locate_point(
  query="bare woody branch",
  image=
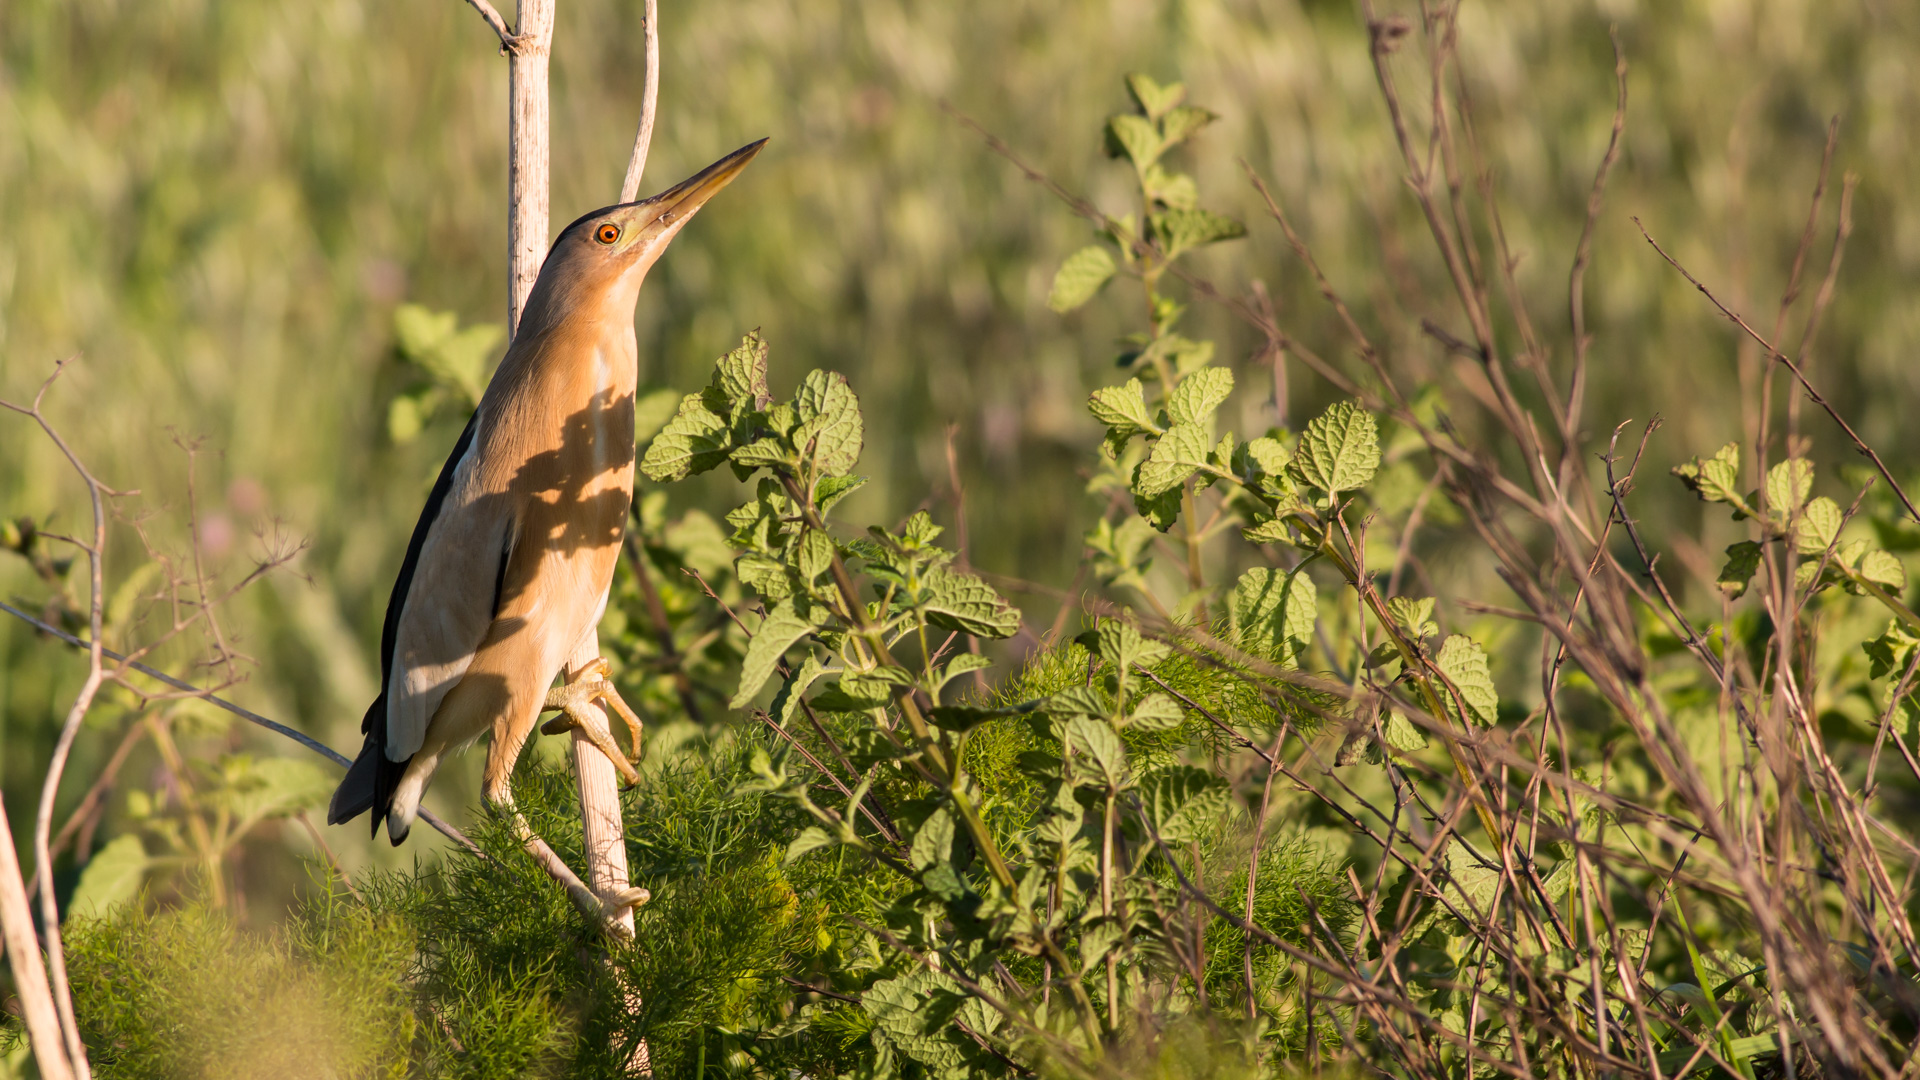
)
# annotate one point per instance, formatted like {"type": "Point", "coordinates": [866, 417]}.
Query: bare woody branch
{"type": "Point", "coordinates": [649, 100]}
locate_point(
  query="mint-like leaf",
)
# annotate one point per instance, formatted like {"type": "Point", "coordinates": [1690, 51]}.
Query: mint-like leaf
{"type": "Point", "coordinates": [830, 430]}
{"type": "Point", "coordinates": [1183, 230]}
{"type": "Point", "coordinates": [694, 441]}
{"type": "Point", "coordinates": [1743, 561]}
{"type": "Point", "coordinates": [1097, 744]}
{"type": "Point", "coordinates": [1885, 571]}
{"type": "Point", "coordinates": [1175, 456]}
{"type": "Point", "coordinates": [1339, 450]}
{"type": "Point", "coordinates": [1156, 712]}
{"type": "Point", "coordinates": [1275, 611]}
{"type": "Point", "coordinates": [1180, 124]}
{"type": "Point", "coordinates": [1083, 275]}
{"type": "Point", "coordinates": [742, 374]}
{"type": "Point", "coordinates": [778, 632]}
{"type": "Point", "coordinates": [963, 602]}
{"type": "Point", "coordinates": [1817, 526]}
{"type": "Point", "coordinates": [1134, 138]}
{"type": "Point", "coordinates": [1122, 408]}
{"type": "Point", "coordinates": [1413, 617]}
{"type": "Point", "coordinates": [1714, 479]}
{"type": "Point", "coordinates": [1154, 99]}
{"type": "Point", "coordinates": [1198, 395]}
{"type": "Point", "coordinates": [1464, 663]}
{"type": "Point", "coordinates": [1788, 485]}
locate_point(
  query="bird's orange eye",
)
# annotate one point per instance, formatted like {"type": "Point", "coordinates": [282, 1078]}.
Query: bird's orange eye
{"type": "Point", "coordinates": [607, 233]}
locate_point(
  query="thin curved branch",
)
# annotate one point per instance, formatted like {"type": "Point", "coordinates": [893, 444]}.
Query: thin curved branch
{"type": "Point", "coordinates": [248, 715]}
{"type": "Point", "coordinates": [498, 24]}
{"type": "Point", "coordinates": [649, 100]}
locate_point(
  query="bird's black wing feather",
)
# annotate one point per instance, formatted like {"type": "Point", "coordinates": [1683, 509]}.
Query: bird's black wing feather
{"type": "Point", "coordinates": [369, 783]}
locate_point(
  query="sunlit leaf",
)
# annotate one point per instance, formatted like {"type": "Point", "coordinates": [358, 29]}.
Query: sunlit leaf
{"type": "Point", "coordinates": [777, 633]}
{"type": "Point", "coordinates": [1198, 395]}
{"type": "Point", "coordinates": [1465, 664]}
{"type": "Point", "coordinates": [1339, 450]}
{"type": "Point", "coordinates": [1083, 274]}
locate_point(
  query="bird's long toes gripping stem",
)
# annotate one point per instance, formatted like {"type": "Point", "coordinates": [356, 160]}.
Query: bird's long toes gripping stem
{"type": "Point", "coordinates": [607, 909]}
{"type": "Point", "coordinates": [573, 700]}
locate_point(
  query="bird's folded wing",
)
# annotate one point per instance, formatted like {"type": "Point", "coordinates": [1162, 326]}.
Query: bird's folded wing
{"type": "Point", "coordinates": [450, 602]}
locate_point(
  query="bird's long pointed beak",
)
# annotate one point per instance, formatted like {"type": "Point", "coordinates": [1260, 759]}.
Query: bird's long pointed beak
{"type": "Point", "coordinates": [687, 196]}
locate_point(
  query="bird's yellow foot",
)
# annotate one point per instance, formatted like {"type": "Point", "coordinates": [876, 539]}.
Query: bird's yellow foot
{"type": "Point", "coordinates": [572, 700]}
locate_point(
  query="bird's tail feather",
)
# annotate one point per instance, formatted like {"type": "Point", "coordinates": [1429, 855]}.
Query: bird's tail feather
{"type": "Point", "coordinates": [355, 795]}
{"type": "Point", "coordinates": [371, 778]}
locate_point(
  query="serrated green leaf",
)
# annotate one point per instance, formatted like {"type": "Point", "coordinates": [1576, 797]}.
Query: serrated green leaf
{"type": "Point", "coordinates": [1198, 395]}
{"type": "Point", "coordinates": [1413, 617]}
{"type": "Point", "coordinates": [962, 664]}
{"type": "Point", "coordinates": [112, 876]}
{"type": "Point", "coordinates": [831, 429]}
{"type": "Point", "coordinates": [853, 694]}
{"type": "Point", "coordinates": [933, 841]}
{"type": "Point", "coordinates": [1473, 885]}
{"type": "Point", "coordinates": [1743, 561]}
{"type": "Point", "coordinates": [1154, 99]}
{"type": "Point", "coordinates": [764, 575]}
{"type": "Point", "coordinates": [1183, 230]}
{"type": "Point", "coordinates": [1175, 456]}
{"type": "Point", "coordinates": [1884, 570]}
{"type": "Point", "coordinates": [1180, 124]}
{"type": "Point", "coordinates": [1401, 733]}
{"type": "Point", "coordinates": [1891, 652]}
{"type": "Point", "coordinates": [694, 441]}
{"type": "Point", "coordinates": [778, 632]}
{"type": "Point", "coordinates": [1185, 802]}
{"type": "Point", "coordinates": [1714, 479]}
{"type": "Point", "coordinates": [1096, 744]}
{"type": "Point", "coordinates": [1122, 408]}
{"type": "Point", "coordinates": [815, 554]}
{"type": "Point", "coordinates": [1339, 450]}
{"type": "Point", "coordinates": [1270, 454]}
{"type": "Point", "coordinates": [742, 374]}
{"type": "Point", "coordinates": [811, 838]}
{"type": "Point", "coordinates": [1156, 712]}
{"type": "Point", "coordinates": [1271, 530]}
{"type": "Point", "coordinates": [1464, 663]}
{"type": "Point", "coordinates": [1276, 611]}
{"type": "Point", "coordinates": [1788, 485]}
{"type": "Point", "coordinates": [1817, 527]}
{"type": "Point", "coordinates": [831, 489]}
{"type": "Point", "coordinates": [787, 701]}
{"type": "Point", "coordinates": [1124, 646]}
{"type": "Point", "coordinates": [1160, 511]}
{"type": "Point", "coordinates": [1082, 276]}
{"type": "Point", "coordinates": [762, 452]}
{"type": "Point", "coordinates": [1134, 138]}
{"type": "Point", "coordinates": [919, 530]}
{"type": "Point", "coordinates": [1077, 701]}
{"type": "Point", "coordinates": [964, 602]}
{"type": "Point", "coordinates": [1171, 189]}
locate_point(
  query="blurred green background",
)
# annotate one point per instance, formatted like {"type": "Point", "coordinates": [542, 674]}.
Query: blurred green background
{"type": "Point", "coordinates": [219, 206]}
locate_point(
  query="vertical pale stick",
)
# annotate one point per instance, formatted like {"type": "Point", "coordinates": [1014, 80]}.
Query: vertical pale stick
{"type": "Point", "coordinates": [601, 828]}
{"type": "Point", "coordinates": [528, 123]}
{"type": "Point", "coordinates": [600, 824]}
{"type": "Point", "coordinates": [29, 977]}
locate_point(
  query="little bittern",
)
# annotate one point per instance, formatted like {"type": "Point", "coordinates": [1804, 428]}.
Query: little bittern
{"type": "Point", "coordinates": [509, 566]}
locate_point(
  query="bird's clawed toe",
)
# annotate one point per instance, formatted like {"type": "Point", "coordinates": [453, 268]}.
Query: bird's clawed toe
{"type": "Point", "coordinates": [591, 685]}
